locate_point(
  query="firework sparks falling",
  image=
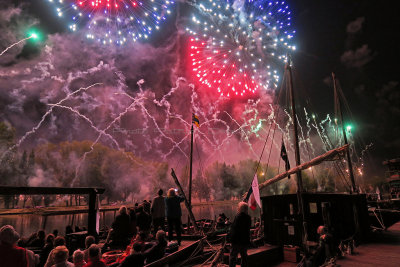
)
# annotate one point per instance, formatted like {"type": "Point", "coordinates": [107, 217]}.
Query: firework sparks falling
{"type": "Point", "coordinates": [34, 129]}
{"type": "Point", "coordinates": [236, 47]}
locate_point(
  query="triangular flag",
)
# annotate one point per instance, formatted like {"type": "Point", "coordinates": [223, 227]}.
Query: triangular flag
{"type": "Point", "coordinates": [285, 158]}
{"type": "Point", "coordinates": [253, 195]}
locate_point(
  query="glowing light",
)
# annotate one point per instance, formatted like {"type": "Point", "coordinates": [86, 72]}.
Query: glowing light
{"type": "Point", "coordinates": [31, 35]}
{"type": "Point", "coordinates": [239, 45]}
{"type": "Point", "coordinates": [114, 21]}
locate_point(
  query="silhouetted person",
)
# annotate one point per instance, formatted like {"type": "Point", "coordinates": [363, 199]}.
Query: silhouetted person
{"type": "Point", "coordinates": [60, 255]}
{"type": "Point", "coordinates": [48, 247]}
{"type": "Point", "coordinates": [135, 259]}
{"type": "Point", "coordinates": [58, 241]}
{"type": "Point", "coordinates": [39, 241]}
{"type": "Point", "coordinates": [95, 257]}
{"type": "Point", "coordinates": [146, 206]}
{"type": "Point", "coordinates": [68, 230]}
{"type": "Point", "coordinates": [133, 222]}
{"type": "Point", "coordinates": [89, 240]}
{"type": "Point", "coordinates": [158, 211]}
{"type": "Point", "coordinates": [240, 235]}
{"type": "Point", "coordinates": [325, 250]}
{"type": "Point", "coordinates": [78, 258]}
{"type": "Point", "coordinates": [157, 250]}
{"type": "Point", "coordinates": [120, 229]}
{"type": "Point", "coordinates": [10, 253]}
{"type": "Point", "coordinates": [174, 214]}
{"type": "Point", "coordinates": [143, 220]}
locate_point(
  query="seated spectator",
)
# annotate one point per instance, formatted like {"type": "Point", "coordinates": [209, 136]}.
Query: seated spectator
{"type": "Point", "coordinates": [68, 230]}
{"type": "Point", "coordinates": [77, 258]}
{"type": "Point", "coordinates": [38, 241]}
{"type": "Point", "coordinates": [221, 221]}
{"type": "Point", "coordinates": [157, 251]}
{"type": "Point", "coordinates": [138, 241]}
{"type": "Point", "coordinates": [118, 235]}
{"type": "Point", "coordinates": [143, 219]}
{"type": "Point", "coordinates": [60, 255]}
{"type": "Point", "coordinates": [135, 259]}
{"type": "Point", "coordinates": [58, 241]}
{"type": "Point", "coordinates": [10, 253]}
{"type": "Point", "coordinates": [132, 217]}
{"type": "Point", "coordinates": [325, 250]}
{"type": "Point", "coordinates": [89, 240]}
{"type": "Point", "coordinates": [48, 247]}
{"type": "Point", "coordinates": [95, 257]}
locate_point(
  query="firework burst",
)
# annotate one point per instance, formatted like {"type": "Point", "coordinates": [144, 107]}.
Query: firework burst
{"type": "Point", "coordinates": [114, 21]}
{"type": "Point", "coordinates": [236, 46]}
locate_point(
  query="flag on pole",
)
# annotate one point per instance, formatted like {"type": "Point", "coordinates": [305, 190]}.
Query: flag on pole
{"type": "Point", "coordinates": [285, 158]}
{"type": "Point", "coordinates": [253, 196]}
{"type": "Point", "coordinates": [195, 120]}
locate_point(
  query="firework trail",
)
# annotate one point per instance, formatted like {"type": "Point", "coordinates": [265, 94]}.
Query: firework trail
{"type": "Point", "coordinates": [101, 132]}
{"type": "Point", "coordinates": [20, 41]}
{"type": "Point", "coordinates": [132, 105]}
{"type": "Point", "coordinates": [34, 129]}
{"type": "Point", "coordinates": [315, 125]}
{"type": "Point", "coordinates": [324, 132]}
{"type": "Point", "coordinates": [309, 131]}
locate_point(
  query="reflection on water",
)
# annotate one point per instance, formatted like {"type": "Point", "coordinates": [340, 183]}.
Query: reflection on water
{"type": "Point", "coordinates": [29, 223]}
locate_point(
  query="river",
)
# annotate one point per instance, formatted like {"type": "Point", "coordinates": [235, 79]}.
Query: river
{"type": "Point", "coordinates": [30, 223]}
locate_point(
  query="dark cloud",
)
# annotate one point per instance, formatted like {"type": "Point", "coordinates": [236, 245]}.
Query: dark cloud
{"type": "Point", "coordinates": [355, 26]}
{"type": "Point", "coordinates": [357, 58]}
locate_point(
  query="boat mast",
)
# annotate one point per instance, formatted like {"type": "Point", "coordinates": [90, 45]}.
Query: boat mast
{"type": "Point", "coordinates": [190, 169]}
{"type": "Point", "coordinates": [300, 202]}
{"type": "Point", "coordinates": [350, 165]}
{"type": "Point", "coordinates": [295, 131]}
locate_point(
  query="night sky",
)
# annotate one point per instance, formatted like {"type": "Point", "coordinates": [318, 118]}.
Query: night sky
{"type": "Point", "coordinates": [354, 39]}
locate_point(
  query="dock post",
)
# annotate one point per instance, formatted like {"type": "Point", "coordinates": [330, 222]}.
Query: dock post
{"type": "Point", "coordinates": [92, 213]}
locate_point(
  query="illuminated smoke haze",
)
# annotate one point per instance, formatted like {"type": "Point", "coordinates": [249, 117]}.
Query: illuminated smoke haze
{"type": "Point", "coordinates": [143, 103]}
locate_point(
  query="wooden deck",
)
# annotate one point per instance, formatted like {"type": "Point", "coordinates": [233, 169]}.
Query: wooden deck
{"type": "Point", "coordinates": [383, 250]}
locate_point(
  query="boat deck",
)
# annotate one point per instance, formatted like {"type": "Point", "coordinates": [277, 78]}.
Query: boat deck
{"type": "Point", "coordinates": [382, 250]}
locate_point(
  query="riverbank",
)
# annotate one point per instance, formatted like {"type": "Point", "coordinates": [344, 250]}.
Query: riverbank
{"type": "Point", "coordinates": [84, 209]}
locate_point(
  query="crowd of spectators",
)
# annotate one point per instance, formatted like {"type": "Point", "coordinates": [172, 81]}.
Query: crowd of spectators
{"type": "Point", "coordinates": [138, 231]}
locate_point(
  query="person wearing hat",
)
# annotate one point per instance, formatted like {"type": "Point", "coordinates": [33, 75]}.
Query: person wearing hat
{"type": "Point", "coordinates": [10, 254]}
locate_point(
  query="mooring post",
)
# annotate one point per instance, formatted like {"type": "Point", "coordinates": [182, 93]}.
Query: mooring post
{"type": "Point", "coordinates": [92, 213]}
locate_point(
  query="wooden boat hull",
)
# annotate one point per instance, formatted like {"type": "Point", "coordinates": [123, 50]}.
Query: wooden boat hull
{"type": "Point", "coordinates": [184, 252]}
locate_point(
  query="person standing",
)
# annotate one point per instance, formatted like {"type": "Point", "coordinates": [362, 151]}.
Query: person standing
{"type": "Point", "coordinates": [240, 235]}
{"type": "Point", "coordinates": [158, 211]}
{"type": "Point", "coordinates": [174, 214]}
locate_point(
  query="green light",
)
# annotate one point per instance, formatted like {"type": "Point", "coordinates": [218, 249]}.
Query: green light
{"type": "Point", "coordinates": [348, 128]}
{"type": "Point", "coordinates": [34, 35]}
{"type": "Point", "coordinates": [313, 116]}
